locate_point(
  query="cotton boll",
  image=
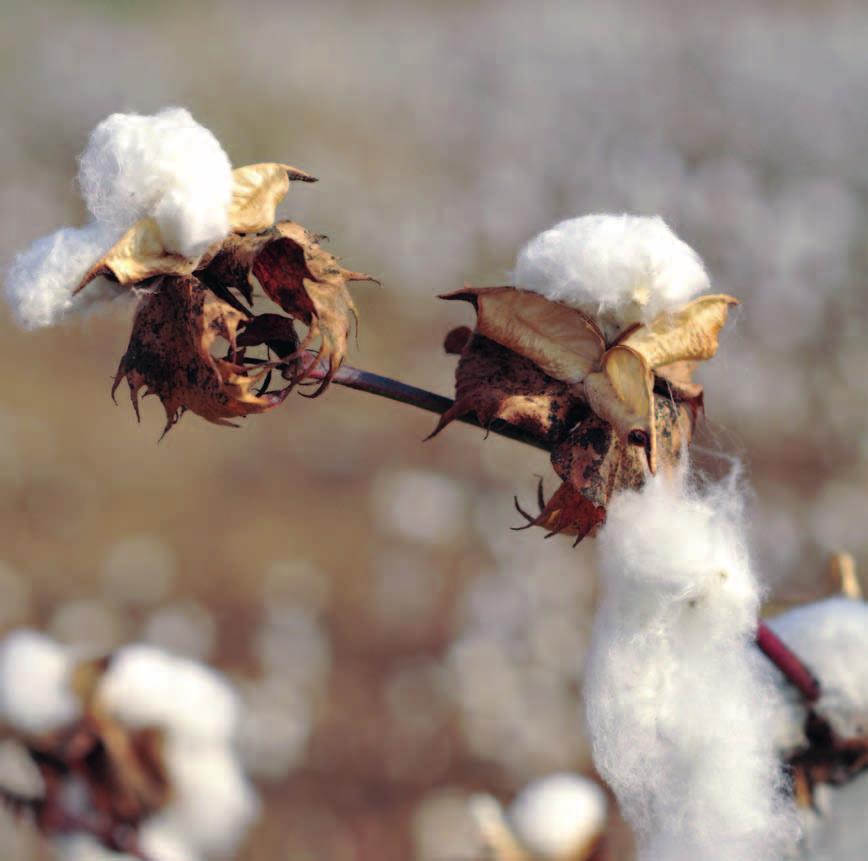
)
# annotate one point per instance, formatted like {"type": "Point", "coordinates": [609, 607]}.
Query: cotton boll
{"type": "Point", "coordinates": [677, 695]}
{"type": "Point", "coordinates": [831, 636]}
{"type": "Point", "coordinates": [81, 847]}
{"type": "Point", "coordinates": [838, 833]}
{"type": "Point", "coordinates": [35, 675]}
{"type": "Point", "coordinates": [160, 842]}
{"type": "Point", "coordinates": [560, 815]}
{"type": "Point", "coordinates": [213, 804]}
{"type": "Point", "coordinates": [167, 166]}
{"type": "Point", "coordinates": [41, 280]}
{"type": "Point", "coordinates": [620, 269]}
{"type": "Point", "coordinates": [146, 687]}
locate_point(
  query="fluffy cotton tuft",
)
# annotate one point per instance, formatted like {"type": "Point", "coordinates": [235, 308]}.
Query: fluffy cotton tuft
{"type": "Point", "coordinates": [676, 692]}
{"type": "Point", "coordinates": [213, 804]}
{"type": "Point", "coordinates": [35, 675]}
{"type": "Point", "coordinates": [620, 269]}
{"type": "Point", "coordinates": [558, 816]}
{"type": "Point", "coordinates": [147, 687]}
{"type": "Point", "coordinates": [831, 637]}
{"type": "Point", "coordinates": [40, 282]}
{"type": "Point", "coordinates": [166, 166]}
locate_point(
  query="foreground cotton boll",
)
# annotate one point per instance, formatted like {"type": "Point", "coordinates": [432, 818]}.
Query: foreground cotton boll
{"type": "Point", "coordinates": [677, 695]}
{"type": "Point", "coordinates": [40, 282]}
{"type": "Point", "coordinates": [559, 816]}
{"type": "Point", "coordinates": [213, 804]}
{"type": "Point", "coordinates": [832, 637]}
{"type": "Point", "coordinates": [145, 686]}
{"type": "Point", "coordinates": [35, 684]}
{"type": "Point", "coordinates": [620, 269]}
{"type": "Point", "coordinates": [166, 166]}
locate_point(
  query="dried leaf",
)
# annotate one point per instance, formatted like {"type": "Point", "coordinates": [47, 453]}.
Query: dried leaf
{"type": "Point", "coordinates": [563, 342]}
{"type": "Point", "coordinates": [310, 284]}
{"type": "Point", "coordinates": [169, 355]}
{"type": "Point", "coordinates": [496, 384]}
{"type": "Point", "coordinates": [690, 334]}
{"type": "Point", "coordinates": [622, 394]}
{"type": "Point", "coordinates": [257, 189]}
{"type": "Point", "coordinates": [139, 255]}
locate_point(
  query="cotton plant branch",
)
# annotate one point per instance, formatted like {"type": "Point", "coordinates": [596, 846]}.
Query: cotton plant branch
{"type": "Point", "coordinates": [786, 661]}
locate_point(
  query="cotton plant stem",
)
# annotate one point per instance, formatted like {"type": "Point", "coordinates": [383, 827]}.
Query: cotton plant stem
{"type": "Point", "coordinates": [385, 387]}
{"type": "Point", "coordinates": [787, 662]}
{"type": "Point", "coordinates": [768, 642]}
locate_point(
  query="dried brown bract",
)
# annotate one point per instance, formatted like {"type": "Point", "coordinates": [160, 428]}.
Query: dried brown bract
{"type": "Point", "coordinates": [195, 327]}
{"type": "Point", "coordinates": [609, 411]}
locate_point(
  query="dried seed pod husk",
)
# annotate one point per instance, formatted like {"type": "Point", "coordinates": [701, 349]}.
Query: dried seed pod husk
{"type": "Point", "coordinates": [169, 355]}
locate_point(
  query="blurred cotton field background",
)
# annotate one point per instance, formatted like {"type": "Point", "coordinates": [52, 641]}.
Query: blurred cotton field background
{"type": "Point", "coordinates": [396, 646]}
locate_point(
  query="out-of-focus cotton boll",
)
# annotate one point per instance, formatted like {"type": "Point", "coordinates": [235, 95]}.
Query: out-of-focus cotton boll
{"type": "Point", "coordinates": [90, 625]}
{"type": "Point", "coordinates": [146, 687]}
{"type": "Point", "coordinates": [417, 505]}
{"type": "Point", "coordinates": [212, 804]}
{"type": "Point", "coordinates": [160, 841]}
{"type": "Point", "coordinates": [167, 166]}
{"type": "Point", "coordinates": [558, 816]}
{"type": "Point", "coordinates": [35, 675]}
{"type": "Point", "coordinates": [838, 833]}
{"type": "Point", "coordinates": [186, 629]}
{"type": "Point", "coordinates": [677, 696]}
{"type": "Point", "coordinates": [831, 636]}
{"type": "Point", "coordinates": [40, 282]}
{"type": "Point", "coordinates": [620, 269]}
{"type": "Point", "coordinates": [139, 570]}
{"type": "Point", "coordinates": [81, 847]}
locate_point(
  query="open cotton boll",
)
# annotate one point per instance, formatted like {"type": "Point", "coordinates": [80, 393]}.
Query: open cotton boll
{"type": "Point", "coordinates": [35, 691]}
{"type": "Point", "coordinates": [620, 269]}
{"type": "Point", "coordinates": [147, 687]}
{"type": "Point", "coordinates": [165, 165]}
{"type": "Point", "coordinates": [831, 636]}
{"type": "Point", "coordinates": [40, 282]}
{"type": "Point", "coordinates": [676, 692]}
{"type": "Point", "coordinates": [212, 804]}
{"type": "Point", "coordinates": [558, 816]}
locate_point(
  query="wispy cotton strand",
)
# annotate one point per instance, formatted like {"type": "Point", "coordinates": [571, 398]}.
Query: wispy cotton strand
{"type": "Point", "coordinates": [620, 269]}
{"type": "Point", "coordinates": [676, 693]}
{"type": "Point", "coordinates": [41, 280]}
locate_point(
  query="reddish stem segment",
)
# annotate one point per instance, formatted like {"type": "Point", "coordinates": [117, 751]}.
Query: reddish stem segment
{"type": "Point", "coordinates": [780, 654]}
{"type": "Point", "coordinates": [769, 643]}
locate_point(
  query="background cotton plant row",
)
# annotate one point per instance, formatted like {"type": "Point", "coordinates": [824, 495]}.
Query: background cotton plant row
{"type": "Point", "coordinates": [734, 134]}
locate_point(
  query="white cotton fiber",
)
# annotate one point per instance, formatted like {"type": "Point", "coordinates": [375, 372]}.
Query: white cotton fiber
{"type": "Point", "coordinates": [35, 675]}
{"type": "Point", "coordinates": [558, 816]}
{"type": "Point", "coordinates": [620, 269]}
{"type": "Point", "coordinates": [39, 285]}
{"type": "Point", "coordinates": [160, 841]}
{"type": "Point", "coordinates": [831, 637]}
{"type": "Point", "coordinates": [147, 687]}
{"type": "Point", "coordinates": [167, 166]}
{"type": "Point", "coordinates": [677, 695]}
{"type": "Point", "coordinates": [212, 803]}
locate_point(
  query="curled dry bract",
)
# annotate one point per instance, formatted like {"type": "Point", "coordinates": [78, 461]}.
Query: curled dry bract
{"type": "Point", "coordinates": [609, 410]}
{"type": "Point", "coordinates": [190, 303]}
